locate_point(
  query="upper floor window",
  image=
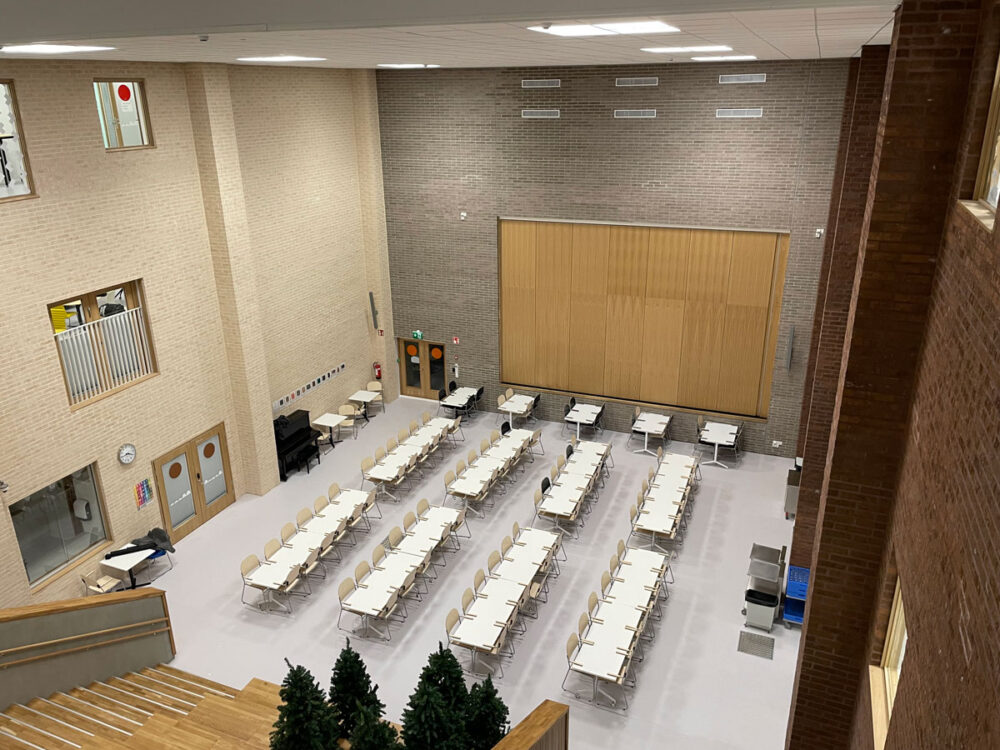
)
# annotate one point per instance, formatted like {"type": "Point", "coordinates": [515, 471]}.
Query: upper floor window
{"type": "Point", "coordinates": [895, 648]}
{"type": "Point", "coordinates": [15, 175]}
{"type": "Point", "coordinates": [988, 177]}
{"type": "Point", "coordinates": [59, 523]}
{"type": "Point", "coordinates": [124, 118]}
{"type": "Point", "coordinates": [103, 341]}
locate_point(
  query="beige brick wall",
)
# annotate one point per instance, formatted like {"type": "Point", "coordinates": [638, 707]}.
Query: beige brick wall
{"type": "Point", "coordinates": [257, 225]}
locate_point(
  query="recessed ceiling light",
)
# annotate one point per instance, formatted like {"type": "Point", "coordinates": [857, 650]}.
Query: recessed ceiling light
{"type": "Point", "coordinates": [49, 49]}
{"type": "Point", "coordinates": [281, 58]}
{"type": "Point", "coordinates": [678, 50]}
{"type": "Point", "coordinates": [721, 58]}
{"type": "Point", "coordinates": [638, 27]}
{"type": "Point", "coordinates": [406, 66]}
{"type": "Point", "coordinates": [575, 29]}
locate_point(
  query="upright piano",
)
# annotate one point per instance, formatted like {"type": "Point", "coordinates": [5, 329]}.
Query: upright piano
{"type": "Point", "coordinates": [297, 442]}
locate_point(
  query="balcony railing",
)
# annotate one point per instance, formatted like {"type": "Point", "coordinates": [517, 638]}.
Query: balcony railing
{"type": "Point", "coordinates": [105, 354]}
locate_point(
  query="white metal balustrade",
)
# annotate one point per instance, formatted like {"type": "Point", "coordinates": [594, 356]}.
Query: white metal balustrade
{"type": "Point", "coordinates": [105, 354]}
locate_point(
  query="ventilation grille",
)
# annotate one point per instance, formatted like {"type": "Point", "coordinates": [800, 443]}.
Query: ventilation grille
{"type": "Point", "coordinates": [633, 114]}
{"type": "Point", "coordinates": [540, 83]}
{"type": "Point", "coordinates": [744, 78]}
{"type": "Point", "coordinates": [540, 114]}
{"type": "Point", "coordinates": [647, 81]}
{"type": "Point", "coordinates": [740, 113]}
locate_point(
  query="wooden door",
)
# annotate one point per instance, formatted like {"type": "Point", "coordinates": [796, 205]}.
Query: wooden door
{"type": "Point", "coordinates": [423, 370]}
{"type": "Point", "coordinates": [194, 482]}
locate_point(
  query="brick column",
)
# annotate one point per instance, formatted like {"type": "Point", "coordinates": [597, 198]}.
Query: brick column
{"type": "Point", "coordinates": [862, 108]}
{"type": "Point", "coordinates": [899, 240]}
{"type": "Point", "coordinates": [232, 260]}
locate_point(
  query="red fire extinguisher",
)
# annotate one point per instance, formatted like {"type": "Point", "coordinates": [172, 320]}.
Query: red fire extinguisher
{"type": "Point", "coordinates": [377, 369]}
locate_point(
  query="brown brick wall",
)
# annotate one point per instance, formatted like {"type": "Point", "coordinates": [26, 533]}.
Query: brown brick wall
{"type": "Point", "coordinates": [900, 241]}
{"type": "Point", "coordinates": [833, 299]}
{"type": "Point", "coordinates": [453, 140]}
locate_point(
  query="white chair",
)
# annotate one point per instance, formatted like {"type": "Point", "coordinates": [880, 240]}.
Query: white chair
{"type": "Point", "coordinates": [100, 584]}
{"type": "Point", "coordinates": [375, 386]}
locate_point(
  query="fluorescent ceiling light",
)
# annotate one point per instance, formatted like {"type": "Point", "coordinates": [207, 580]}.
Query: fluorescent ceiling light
{"type": "Point", "coordinates": [281, 58]}
{"type": "Point", "coordinates": [638, 27]}
{"type": "Point", "coordinates": [406, 66]}
{"type": "Point", "coordinates": [49, 49]}
{"type": "Point", "coordinates": [722, 58]}
{"type": "Point", "coordinates": [677, 50]}
{"type": "Point", "coordinates": [576, 29]}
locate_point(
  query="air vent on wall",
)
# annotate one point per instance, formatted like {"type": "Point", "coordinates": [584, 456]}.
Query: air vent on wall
{"type": "Point", "coordinates": [540, 83]}
{"type": "Point", "coordinates": [540, 114]}
{"type": "Point", "coordinates": [744, 78]}
{"type": "Point", "coordinates": [629, 114]}
{"type": "Point", "coordinates": [647, 81]}
{"type": "Point", "coordinates": [740, 113]}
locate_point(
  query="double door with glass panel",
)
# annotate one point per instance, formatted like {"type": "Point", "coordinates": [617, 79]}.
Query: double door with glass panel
{"type": "Point", "coordinates": [422, 368]}
{"type": "Point", "coordinates": [194, 482]}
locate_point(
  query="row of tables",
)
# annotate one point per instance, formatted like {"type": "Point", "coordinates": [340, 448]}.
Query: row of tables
{"type": "Point", "coordinates": [577, 478]}
{"type": "Point", "coordinates": [374, 598]}
{"type": "Point", "coordinates": [487, 623]}
{"type": "Point", "coordinates": [482, 474]}
{"type": "Point", "coordinates": [319, 534]}
{"type": "Point", "coordinates": [613, 635]}
{"type": "Point", "coordinates": [662, 506]}
{"type": "Point", "coordinates": [393, 468]}
{"type": "Point", "coordinates": [459, 399]}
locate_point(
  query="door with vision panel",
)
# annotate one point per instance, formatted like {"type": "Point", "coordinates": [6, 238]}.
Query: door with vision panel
{"type": "Point", "coordinates": [663, 322]}
{"type": "Point", "coordinates": [553, 258]}
{"type": "Point", "coordinates": [517, 301]}
{"type": "Point", "coordinates": [626, 302]}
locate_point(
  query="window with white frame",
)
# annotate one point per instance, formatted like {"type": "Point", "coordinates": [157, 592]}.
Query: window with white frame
{"type": "Point", "coordinates": [15, 174]}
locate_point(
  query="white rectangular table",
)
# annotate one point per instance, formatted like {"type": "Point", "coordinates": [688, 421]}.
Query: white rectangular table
{"type": "Point", "coordinates": [331, 421]}
{"type": "Point", "coordinates": [364, 398]}
{"type": "Point", "coordinates": [458, 398]}
{"type": "Point", "coordinates": [718, 433]}
{"type": "Point", "coordinates": [126, 564]}
{"type": "Point", "coordinates": [518, 405]}
{"type": "Point", "coordinates": [582, 414]}
{"type": "Point", "coordinates": [648, 424]}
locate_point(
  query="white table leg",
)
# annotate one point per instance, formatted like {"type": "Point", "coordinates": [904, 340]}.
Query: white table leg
{"type": "Point", "coordinates": [715, 460]}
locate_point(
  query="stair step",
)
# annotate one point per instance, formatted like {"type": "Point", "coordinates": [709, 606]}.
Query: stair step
{"type": "Point", "coordinates": [180, 674]}
{"type": "Point", "coordinates": [57, 727]}
{"type": "Point", "coordinates": [77, 719]}
{"type": "Point", "coordinates": [230, 719]}
{"type": "Point", "coordinates": [165, 688]}
{"type": "Point", "coordinates": [95, 713]}
{"type": "Point", "coordinates": [10, 743]}
{"type": "Point", "coordinates": [34, 735]}
{"type": "Point", "coordinates": [109, 705]}
{"type": "Point", "coordinates": [130, 698]}
{"type": "Point", "coordinates": [161, 733]}
{"type": "Point", "coordinates": [261, 693]}
{"type": "Point", "coordinates": [151, 696]}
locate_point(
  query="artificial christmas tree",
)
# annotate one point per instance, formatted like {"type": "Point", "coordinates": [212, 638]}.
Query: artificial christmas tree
{"type": "Point", "coordinates": [370, 732]}
{"type": "Point", "coordinates": [445, 673]}
{"type": "Point", "coordinates": [427, 722]}
{"type": "Point", "coordinates": [351, 685]}
{"type": "Point", "coordinates": [485, 717]}
{"type": "Point", "coordinates": [305, 720]}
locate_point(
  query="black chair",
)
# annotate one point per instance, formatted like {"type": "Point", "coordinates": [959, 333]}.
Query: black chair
{"type": "Point", "coordinates": [505, 428]}
{"type": "Point", "coordinates": [478, 397]}
{"type": "Point", "coordinates": [569, 451]}
{"type": "Point", "coordinates": [572, 401]}
{"type": "Point", "coordinates": [442, 395]}
{"type": "Point", "coordinates": [565, 424]}
{"type": "Point", "coordinates": [452, 386]}
{"type": "Point", "coordinates": [545, 485]}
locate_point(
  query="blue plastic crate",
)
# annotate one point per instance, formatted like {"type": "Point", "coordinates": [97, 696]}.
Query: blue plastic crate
{"type": "Point", "coordinates": [798, 583]}
{"type": "Point", "coordinates": [795, 610]}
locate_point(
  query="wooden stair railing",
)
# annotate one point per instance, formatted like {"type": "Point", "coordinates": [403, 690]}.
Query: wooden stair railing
{"type": "Point", "coordinates": [545, 728]}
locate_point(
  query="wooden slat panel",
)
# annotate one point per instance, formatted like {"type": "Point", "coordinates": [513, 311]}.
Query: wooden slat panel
{"type": "Point", "coordinates": [669, 257]}
{"type": "Point", "coordinates": [742, 350]}
{"type": "Point", "coordinates": [751, 269]}
{"type": "Point", "coordinates": [588, 306]}
{"type": "Point", "coordinates": [627, 267]}
{"type": "Point", "coordinates": [663, 329]}
{"type": "Point", "coordinates": [701, 354]}
{"type": "Point", "coordinates": [517, 301]}
{"type": "Point", "coordinates": [774, 318]}
{"type": "Point", "coordinates": [553, 259]}
{"type": "Point", "coordinates": [711, 253]}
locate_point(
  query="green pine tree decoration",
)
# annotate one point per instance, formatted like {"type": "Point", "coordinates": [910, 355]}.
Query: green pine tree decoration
{"type": "Point", "coordinates": [351, 685]}
{"type": "Point", "coordinates": [445, 673]}
{"type": "Point", "coordinates": [427, 722]}
{"type": "Point", "coordinates": [370, 732]}
{"type": "Point", "coordinates": [305, 720]}
{"type": "Point", "coordinates": [486, 716]}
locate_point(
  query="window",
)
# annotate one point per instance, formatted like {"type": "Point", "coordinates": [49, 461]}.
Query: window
{"type": "Point", "coordinates": [59, 523]}
{"type": "Point", "coordinates": [988, 178]}
{"type": "Point", "coordinates": [895, 648]}
{"type": "Point", "coordinates": [15, 175]}
{"type": "Point", "coordinates": [124, 118]}
{"type": "Point", "coordinates": [103, 341]}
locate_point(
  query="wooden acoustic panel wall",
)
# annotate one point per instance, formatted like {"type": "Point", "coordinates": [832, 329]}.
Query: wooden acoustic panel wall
{"type": "Point", "coordinates": [671, 316]}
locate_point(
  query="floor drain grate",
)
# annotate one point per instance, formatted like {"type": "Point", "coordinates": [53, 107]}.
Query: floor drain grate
{"type": "Point", "coordinates": [756, 645]}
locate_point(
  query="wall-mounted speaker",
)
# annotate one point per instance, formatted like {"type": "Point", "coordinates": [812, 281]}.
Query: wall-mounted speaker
{"type": "Point", "coordinates": [371, 301]}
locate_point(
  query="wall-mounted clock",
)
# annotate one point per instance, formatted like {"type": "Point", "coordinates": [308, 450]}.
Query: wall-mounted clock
{"type": "Point", "coordinates": [126, 454]}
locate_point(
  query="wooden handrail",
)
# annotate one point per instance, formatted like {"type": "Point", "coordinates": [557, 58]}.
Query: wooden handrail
{"type": "Point", "coordinates": [535, 726]}
{"type": "Point", "coordinates": [83, 602]}
{"type": "Point", "coordinates": [85, 647]}
{"type": "Point", "coordinates": [41, 644]}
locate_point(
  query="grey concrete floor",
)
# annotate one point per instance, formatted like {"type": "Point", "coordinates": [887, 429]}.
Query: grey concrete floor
{"type": "Point", "coordinates": [694, 692]}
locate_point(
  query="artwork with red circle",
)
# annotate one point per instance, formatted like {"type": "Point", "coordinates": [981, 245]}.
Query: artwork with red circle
{"type": "Point", "coordinates": [209, 450]}
{"type": "Point", "coordinates": [411, 349]}
{"type": "Point", "coordinates": [175, 470]}
{"type": "Point", "coordinates": [436, 353]}
{"type": "Point", "coordinates": [124, 92]}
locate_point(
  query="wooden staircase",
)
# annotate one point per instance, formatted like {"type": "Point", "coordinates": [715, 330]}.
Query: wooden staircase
{"type": "Point", "coordinates": [160, 708]}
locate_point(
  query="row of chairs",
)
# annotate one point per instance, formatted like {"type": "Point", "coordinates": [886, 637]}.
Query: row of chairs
{"type": "Point", "coordinates": [591, 493]}
{"type": "Point", "coordinates": [471, 405]}
{"type": "Point", "coordinates": [416, 462]}
{"type": "Point", "coordinates": [680, 520]}
{"type": "Point", "coordinates": [530, 414]}
{"type": "Point", "coordinates": [497, 478]}
{"type": "Point", "coordinates": [617, 575]}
